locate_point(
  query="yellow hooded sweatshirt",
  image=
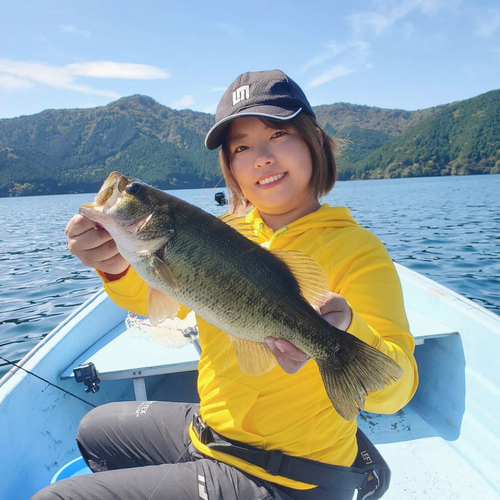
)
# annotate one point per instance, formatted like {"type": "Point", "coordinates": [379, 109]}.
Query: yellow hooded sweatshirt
{"type": "Point", "coordinates": [292, 413]}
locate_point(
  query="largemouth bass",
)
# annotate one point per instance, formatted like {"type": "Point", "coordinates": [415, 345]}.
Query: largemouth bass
{"type": "Point", "coordinates": [180, 251]}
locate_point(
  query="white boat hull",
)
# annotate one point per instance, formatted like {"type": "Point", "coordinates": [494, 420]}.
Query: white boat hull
{"type": "Point", "coordinates": [442, 445]}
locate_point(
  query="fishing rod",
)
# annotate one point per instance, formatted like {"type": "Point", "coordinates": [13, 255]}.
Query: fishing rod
{"type": "Point", "coordinates": [47, 382]}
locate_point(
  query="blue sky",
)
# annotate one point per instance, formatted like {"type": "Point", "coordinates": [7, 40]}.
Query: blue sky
{"type": "Point", "coordinates": [407, 54]}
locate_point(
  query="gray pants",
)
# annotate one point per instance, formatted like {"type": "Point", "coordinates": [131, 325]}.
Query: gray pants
{"type": "Point", "coordinates": [142, 451]}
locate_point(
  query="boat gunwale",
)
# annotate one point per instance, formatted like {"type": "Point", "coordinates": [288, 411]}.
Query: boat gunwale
{"type": "Point", "coordinates": [20, 364]}
{"type": "Point", "coordinates": [448, 292]}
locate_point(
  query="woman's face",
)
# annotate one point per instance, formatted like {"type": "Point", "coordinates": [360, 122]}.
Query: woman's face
{"type": "Point", "coordinates": [273, 167]}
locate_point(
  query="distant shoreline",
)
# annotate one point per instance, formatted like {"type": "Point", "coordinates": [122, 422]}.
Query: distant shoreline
{"type": "Point", "coordinates": [223, 186]}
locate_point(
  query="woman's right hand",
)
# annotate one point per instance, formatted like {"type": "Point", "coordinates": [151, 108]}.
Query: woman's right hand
{"type": "Point", "coordinates": [95, 247]}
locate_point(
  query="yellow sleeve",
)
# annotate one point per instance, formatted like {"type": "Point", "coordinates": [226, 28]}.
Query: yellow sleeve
{"type": "Point", "coordinates": [372, 288]}
{"type": "Point", "coordinates": [131, 292]}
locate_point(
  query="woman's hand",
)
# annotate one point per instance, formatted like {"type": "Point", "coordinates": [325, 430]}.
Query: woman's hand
{"type": "Point", "coordinates": [335, 310]}
{"type": "Point", "coordinates": [95, 247]}
{"type": "Point", "coordinates": [287, 355]}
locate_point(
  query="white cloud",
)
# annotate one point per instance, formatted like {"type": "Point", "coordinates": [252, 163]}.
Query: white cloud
{"type": "Point", "coordinates": [111, 69]}
{"type": "Point", "coordinates": [9, 81]}
{"type": "Point", "coordinates": [72, 30]}
{"type": "Point", "coordinates": [338, 59]}
{"type": "Point", "coordinates": [26, 74]}
{"type": "Point", "coordinates": [35, 72]}
{"type": "Point", "coordinates": [364, 23]}
{"type": "Point", "coordinates": [89, 104]}
{"type": "Point", "coordinates": [183, 102]}
{"type": "Point", "coordinates": [388, 12]}
{"type": "Point", "coordinates": [333, 49]}
{"type": "Point", "coordinates": [331, 74]}
{"type": "Point", "coordinates": [487, 25]}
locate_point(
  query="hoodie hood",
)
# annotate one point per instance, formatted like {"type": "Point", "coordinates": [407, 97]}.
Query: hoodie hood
{"type": "Point", "coordinates": [325, 217]}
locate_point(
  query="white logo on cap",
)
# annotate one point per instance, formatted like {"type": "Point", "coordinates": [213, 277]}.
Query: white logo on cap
{"type": "Point", "coordinates": [241, 94]}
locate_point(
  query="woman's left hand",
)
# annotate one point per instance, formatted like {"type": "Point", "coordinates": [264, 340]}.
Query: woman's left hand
{"type": "Point", "coordinates": [335, 310]}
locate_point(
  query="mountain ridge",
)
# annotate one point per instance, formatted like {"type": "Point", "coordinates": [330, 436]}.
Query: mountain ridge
{"type": "Point", "coordinates": [73, 150]}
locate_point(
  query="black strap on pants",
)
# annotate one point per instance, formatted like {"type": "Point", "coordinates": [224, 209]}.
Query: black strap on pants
{"type": "Point", "coordinates": [370, 468]}
{"type": "Point", "coordinates": [371, 461]}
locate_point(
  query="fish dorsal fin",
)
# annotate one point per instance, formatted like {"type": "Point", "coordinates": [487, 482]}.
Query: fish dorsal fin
{"type": "Point", "coordinates": [227, 217]}
{"type": "Point", "coordinates": [239, 223]}
{"type": "Point", "coordinates": [254, 358]}
{"type": "Point", "coordinates": [310, 276]}
{"type": "Point", "coordinates": [161, 306]}
{"type": "Point", "coordinates": [162, 269]}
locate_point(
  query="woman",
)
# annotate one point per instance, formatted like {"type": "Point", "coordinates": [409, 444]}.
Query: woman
{"type": "Point", "coordinates": [277, 159]}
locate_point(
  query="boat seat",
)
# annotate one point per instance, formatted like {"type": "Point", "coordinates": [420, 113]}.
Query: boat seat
{"type": "Point", "coordinates": [423, 327]}
{"type": "Point", "coordinates": [121, 355]}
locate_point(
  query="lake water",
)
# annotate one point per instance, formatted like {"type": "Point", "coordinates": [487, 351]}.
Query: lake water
{"type": "Point", "coordinates": [447, 228]}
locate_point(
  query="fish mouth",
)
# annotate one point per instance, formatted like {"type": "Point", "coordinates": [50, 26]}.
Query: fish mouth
{"type": "Point", "coordinates": [108, 195]}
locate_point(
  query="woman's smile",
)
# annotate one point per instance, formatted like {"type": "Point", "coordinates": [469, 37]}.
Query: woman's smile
{"type": "Point", "coordinates": [271, 180]}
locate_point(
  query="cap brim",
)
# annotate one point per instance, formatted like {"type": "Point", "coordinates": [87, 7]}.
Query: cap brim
{"type": "Point", "coordinates": [217, 133]}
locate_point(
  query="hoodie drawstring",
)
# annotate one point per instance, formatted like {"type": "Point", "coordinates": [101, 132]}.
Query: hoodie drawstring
{"type": "Point", "coordinates": [273, 237]}
{"type": "Point", "coordinates": [267, 244]}
{"type": "Point", "coordinates": [259, 229]}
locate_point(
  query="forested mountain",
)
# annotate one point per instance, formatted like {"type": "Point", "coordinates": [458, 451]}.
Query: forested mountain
{"type": "Point", "coordinates": [462, 138]}
{"type": "Point", "coordinates": [67, 151]}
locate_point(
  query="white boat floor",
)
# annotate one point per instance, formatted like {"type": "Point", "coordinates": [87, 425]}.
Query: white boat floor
{"type": "Point", "coordinates": [124, 354]}
{"type": "Point", "coordinates": [423, 464]}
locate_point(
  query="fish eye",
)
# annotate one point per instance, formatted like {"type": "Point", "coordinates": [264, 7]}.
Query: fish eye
{"type": "Point", "coordinates": [133, 188]}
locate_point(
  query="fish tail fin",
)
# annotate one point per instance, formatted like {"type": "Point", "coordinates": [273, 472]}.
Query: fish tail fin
{"type": "Point", "coordinates": [359, 370]}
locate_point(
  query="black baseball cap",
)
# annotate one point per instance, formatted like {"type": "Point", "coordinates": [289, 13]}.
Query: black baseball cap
{"type": "Point", "coordinates": [267, 94]}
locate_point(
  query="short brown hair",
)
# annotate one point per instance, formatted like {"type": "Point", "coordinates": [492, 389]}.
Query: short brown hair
{"type": "Point", "coordinates": [323, 150]}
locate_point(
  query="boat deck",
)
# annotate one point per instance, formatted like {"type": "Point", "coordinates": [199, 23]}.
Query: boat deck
{"type": "Point", "coordinates": [424, 465]}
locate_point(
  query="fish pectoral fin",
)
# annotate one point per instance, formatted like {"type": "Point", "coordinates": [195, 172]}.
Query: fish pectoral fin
{"type": "Point", "coordinates": [310, 276]}
{"type": "Point", "coordinates": [161, 306]}
{"type": "Point", "coordinates": [164, 271]}
{"type": "Point", "coordinates": [254, 358]}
